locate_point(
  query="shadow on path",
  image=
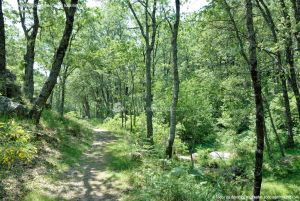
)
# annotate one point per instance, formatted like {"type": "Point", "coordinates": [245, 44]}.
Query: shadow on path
{"type": "Point", "coordinates": [89, 180]}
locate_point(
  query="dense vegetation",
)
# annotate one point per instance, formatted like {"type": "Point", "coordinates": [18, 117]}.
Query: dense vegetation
{"type": "Point", "coordinates": [200, 104]}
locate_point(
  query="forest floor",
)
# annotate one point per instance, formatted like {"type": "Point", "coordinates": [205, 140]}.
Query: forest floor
{"type": "Point", "coordinates": [76, 162]}
{"type": "Point", "coordinates": [89, 179]}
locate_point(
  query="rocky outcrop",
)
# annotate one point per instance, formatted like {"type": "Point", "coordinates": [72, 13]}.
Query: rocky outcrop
{"type": "Point", "coordinates": [9, 107]}
{"type": "Point", "coordinates": [8, 86]}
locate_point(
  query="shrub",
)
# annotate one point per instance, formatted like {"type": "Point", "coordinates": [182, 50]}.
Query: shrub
{"type": "Point", "coordinates": [174, 185]}
{"type": "Point", "coordinates": [15, 144]}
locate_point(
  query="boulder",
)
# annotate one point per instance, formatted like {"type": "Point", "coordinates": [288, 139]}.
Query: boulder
{"type": "Point", "coordinates": [136, 156]}
{"type": "Point", "coordinates": [188, 158]}
{"type": "Point", "coordinates": [9, 107]}
{"type": "Point", "coordinates": [220, 155]}
{"type": "Point", "coordinates": [8, 85]}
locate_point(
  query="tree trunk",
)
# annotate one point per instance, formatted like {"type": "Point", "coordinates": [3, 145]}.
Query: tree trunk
{"type": "Point", "coordinates": [30, 49]}
{"type": "Point", "coordinates": [86, 107]}
{"type": "Point", "coordinates": [260, 132]}
{"type": "Point", "coordinates": [2, 42]}
{"type": "Point", "coordinates": [291, 63]}
{"type": "Point", "coordinates": [62, 101]}
{"type": "Point", "coordinates": [149, 44]}
{"type": "Point", "coordinates": [51, 100]}
{"type": "Point", "coordinates": [175, 82]}
{"type": "Point", "coordinates": [132, 107]}
{"type": "Point", "coordinates": [296, 8]}
{"type": "Point", "coordinates": [2, 53]}
{"type": "Point", "coordinates": [274, 129]}
{"type": "Point", "coordinates": [279, 71]}
{"type": "Point", "coordinates": [39, 104]}
{"type": "Point", "coordinates": [149, 112]}
{"type": "Point", "coordinates": [268, 145]}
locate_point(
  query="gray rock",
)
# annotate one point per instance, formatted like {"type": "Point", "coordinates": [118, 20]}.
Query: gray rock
{"type": "Point", "coordinates": [8, 86]}
{"type": "Point", "coordinates": [220, 155]}
{"type": "Point", "coordinates": [9, 107]}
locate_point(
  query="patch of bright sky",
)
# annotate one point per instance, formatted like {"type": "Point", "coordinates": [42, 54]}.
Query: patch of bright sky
{"type": "Point", "coordinates": [188, 7]}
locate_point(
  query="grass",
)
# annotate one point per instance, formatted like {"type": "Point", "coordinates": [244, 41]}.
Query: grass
{"type": "Point", "coordinates": [65, 141]}
{"type": "Point", "coordinates": [118, 155]}
{"type": "Point", "coordinates": [280, 181]}
{"type": "Point", "coordinates": [38, 196]}
{"type": "Point", "coordinates": [149, 172]}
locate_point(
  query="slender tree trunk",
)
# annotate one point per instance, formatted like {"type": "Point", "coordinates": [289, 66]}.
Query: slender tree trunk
{"type": "Point", "coordinates": [260, 132]}
{"type": "Point", "coordinates": [39, 104]}
{"type": "Point", "coordinates": [149, 44]}
{"type": "Point", "coordinates": [291, 63]}
{"type": "Point", "coordinates": [132, 102]}
{"type": "Point", "coordinates": [274, 129]}
{"type": "Point", "coordinates": [149, 112]}
{"type": "Point", "coordinates": [28, 78]}
{"type": "Point", "coordinates": [86, 107]}
{"type": "Point", "coordinates": [296, 8]}
{"type": "Point", "coordinates": [62, 101]}
{"type": "Point", "coordinates": [175, 82]}
{"type": "Point", "coordinates": [51, 100]}
{"type": "Point", "coordinates": [268, 145]}
{"type": "Point", "coordinates": [2, 53]}
{"type": "Point", "coordinates": [30, 50]}
{"type": "Point", "coordinates": [280, 72]}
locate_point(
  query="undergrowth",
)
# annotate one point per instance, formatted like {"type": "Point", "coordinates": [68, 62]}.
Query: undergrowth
{"type": "Point", "coordinates": [152, 177]}
{"type": "Point", "coordinates": [47, 149]}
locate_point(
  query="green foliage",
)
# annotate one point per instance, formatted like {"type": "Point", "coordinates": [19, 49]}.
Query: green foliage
{"type": "Point", "coordinates": [15, 144]}
{"type": "Point", "coordinates": [176, 185]}
{"type": "Point", "coordinates": [195, 109]}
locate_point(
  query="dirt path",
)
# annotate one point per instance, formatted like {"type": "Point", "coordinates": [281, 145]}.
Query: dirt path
{"type": "Point", "coordinates": [90, 180]}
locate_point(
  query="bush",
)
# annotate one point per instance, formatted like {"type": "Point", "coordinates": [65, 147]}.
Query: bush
{"type": "Point", "coordinates": [15, 144]}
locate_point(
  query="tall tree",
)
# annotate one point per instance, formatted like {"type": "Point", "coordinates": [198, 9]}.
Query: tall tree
{"type": "Point", "coordinates": [289, 55]}
{"type": "Point", "coordinates": [260, 131]}
{"type": "Point", "coordinates": [174, 29]}
{"type": "Point", "coordinates": [296, 8]}
{"type": "Point", "coordinates": [251, 60]}
{"type": "Point", "coordinates": [279, 71]}
{"type": "Point", "coordinates": [2, 52]}
{"type": "Point", "coordinates": [66, 72]}
{"type": "Point", "coordinates": [40, 102]}
{"type": "Point", "coordinates": [30, 35]}
{"type": "Point", "coordinates": [149, 36]}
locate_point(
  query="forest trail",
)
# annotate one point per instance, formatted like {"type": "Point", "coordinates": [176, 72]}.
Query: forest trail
{"type": "Point", "coordinates": [90, 180]}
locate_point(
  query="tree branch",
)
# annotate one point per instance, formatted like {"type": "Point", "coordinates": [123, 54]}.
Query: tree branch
{"type": "Point", "coordinates": [137, 19]}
